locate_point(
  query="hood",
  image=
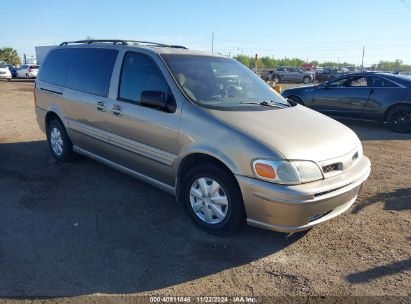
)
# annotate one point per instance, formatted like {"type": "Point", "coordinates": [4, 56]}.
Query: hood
{"type": "Point", "coordinates": [296, 132]}
{"type": "Point", "coordinates": [300, 89]}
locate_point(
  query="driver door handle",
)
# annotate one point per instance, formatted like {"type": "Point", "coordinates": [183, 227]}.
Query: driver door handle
{"type": "Point", "coordinates": [116, 110]}
{"type": "Point", "coordinates": [101, 106]}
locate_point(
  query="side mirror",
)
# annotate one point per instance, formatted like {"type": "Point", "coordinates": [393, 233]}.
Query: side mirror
{"type": "Point", "coordinates": [157, 100]}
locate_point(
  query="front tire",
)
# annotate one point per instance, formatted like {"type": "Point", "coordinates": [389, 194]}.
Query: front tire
{"type": "Point", "coordinates": [59, 142]}
{"type": "Point", "coordinates": [307, 80]}
{"type": "Point", "coordinates": [399, 118]}
{"type": "Point", "coordinates": [213, 200]}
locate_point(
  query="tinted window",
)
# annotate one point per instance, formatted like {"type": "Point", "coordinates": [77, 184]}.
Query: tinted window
{"type": "Point", "coordinates": [91, 69]}
{"type": "Point", "coordinates": [55, 67]}
{"type": "Point", "coordinates": [140, 73]}
{"type": "Point", "coordinates": [84, 69]}
{"type": "Point", "coordinates": [34, 67]}
{"type": "Point", "coordinates": [378, 82]}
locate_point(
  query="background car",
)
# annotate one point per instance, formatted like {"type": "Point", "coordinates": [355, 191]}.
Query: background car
{"type": "Point", "coordinates": [27, 71]}
{"type": "Point", "coordinates": [292, 74]}
{"type": "Point", "coordinates": [328, 74]}
{"type": "Point", "coordinates": [13, 70]}
{"type": "Point", "coordinates": [4, 72]}
{"type": "Point", "coordinates": [367, 96]}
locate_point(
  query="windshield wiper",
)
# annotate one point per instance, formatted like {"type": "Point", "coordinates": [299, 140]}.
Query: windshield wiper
{"type": "Point", "coordinates": [267, 104]}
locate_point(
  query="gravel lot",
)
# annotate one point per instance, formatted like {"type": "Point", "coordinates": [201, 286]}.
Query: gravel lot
{"type": "Point", "coordinates": [87, 231]}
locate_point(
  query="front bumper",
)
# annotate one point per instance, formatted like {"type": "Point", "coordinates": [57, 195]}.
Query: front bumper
{"type": "Point", "coordinates": [299, 207]}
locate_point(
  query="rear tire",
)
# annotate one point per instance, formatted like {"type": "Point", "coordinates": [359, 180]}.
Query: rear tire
{"type": "Point", "coordinates": [399, 118]}
{"type": "Point", "coordinates": [59, 142]}
{"type": "Point", "coordinates": [306, 80]}
{"type": "Point", "coordinates": [219, 209]}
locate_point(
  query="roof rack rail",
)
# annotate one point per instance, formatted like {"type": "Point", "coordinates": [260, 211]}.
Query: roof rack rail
{"type": "Point", "coordinates": [122, 42]}
{"type": "Point", "coordinates": [89, 41]}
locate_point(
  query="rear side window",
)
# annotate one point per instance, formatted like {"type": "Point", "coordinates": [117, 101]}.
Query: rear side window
{"type": "Point", "coordinates": [84, 69]}
{"type": "Point", "coordinates": [140, 73]}
{"type": "Point", "coordinates": [91, 70]}
{"type": "Point", "coordinates": [55, 67]}
{"type": "Point", "coordinates": [378, 82]}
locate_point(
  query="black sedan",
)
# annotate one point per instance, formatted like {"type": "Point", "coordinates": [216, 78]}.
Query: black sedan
{"type": "Point", "coordinates": [328, 74]}
{"type": "Point", "coordinates": [366, 96]}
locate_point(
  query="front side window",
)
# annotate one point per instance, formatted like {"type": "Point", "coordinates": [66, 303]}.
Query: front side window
{"type": "Point", "coordinates": [218, 81]}
{"type": "Point", "coordinates": [140, 73]}
{"type": "Point", "coordinates": [358, 82]}
{"type": "Point", "coordinates": [339, 83]}
{"type": "Point", "coordinates": [348, 82]}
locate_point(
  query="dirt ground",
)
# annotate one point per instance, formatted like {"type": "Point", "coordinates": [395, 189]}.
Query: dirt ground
{"type": "Point", "coordinates": [82, 232]}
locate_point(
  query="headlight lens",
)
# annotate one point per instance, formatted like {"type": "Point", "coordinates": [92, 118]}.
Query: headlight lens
{"type": "Point", "coordinates": [287, 172]}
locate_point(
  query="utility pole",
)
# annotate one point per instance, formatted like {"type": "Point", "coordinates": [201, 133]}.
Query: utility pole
{"type": "Point", "coordinates": [362, 60]}
{"type": "Point", "coordinates": [212, 42]}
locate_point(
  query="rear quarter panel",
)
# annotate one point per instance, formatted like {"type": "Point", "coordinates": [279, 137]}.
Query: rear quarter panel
{"type": "Point", "coordinates": [384, 98]}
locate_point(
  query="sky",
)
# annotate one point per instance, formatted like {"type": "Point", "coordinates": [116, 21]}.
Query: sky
{"type": "Point", "coordinates": [323, 30]}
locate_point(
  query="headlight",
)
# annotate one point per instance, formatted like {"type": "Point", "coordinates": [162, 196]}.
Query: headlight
{"type": "Point", "coordinates": [287, 172]}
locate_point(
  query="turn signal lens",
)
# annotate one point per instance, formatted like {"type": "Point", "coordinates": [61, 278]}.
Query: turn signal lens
{"type": "Point", "coordinates": [264, 170]}
{"type": "Point", "coordinates": [287, 172]}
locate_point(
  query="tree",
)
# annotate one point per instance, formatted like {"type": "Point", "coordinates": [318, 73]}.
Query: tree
{"type": "Point", "coordinates": [9, 55]}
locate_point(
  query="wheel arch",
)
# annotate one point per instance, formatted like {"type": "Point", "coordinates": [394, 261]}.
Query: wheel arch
{"type": "Point", "coordinates": [296, 96]}
{"type": "Point", "coordinates": [198, 158]}
{"type": "Point", "coordinates": [50, 116]}
{"type": "Point", "coordinates": [401, 103]}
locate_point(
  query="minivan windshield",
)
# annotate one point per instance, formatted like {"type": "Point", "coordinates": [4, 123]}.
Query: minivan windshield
{"type": "Point", "coordinates": [218, 82]}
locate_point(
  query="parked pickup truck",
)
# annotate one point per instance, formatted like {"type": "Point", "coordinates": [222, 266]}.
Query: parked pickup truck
{"type": "Point", "coordinates": [290, 74]}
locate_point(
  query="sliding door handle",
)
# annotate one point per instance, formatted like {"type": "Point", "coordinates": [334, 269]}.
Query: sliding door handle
{"type": "Point", "coordinates": [116, 110]}
{"type": "Point", "coordinates": [101, 106]}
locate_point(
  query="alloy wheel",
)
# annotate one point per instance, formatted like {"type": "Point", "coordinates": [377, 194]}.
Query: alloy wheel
{"type": "Point", "coordinates": [401, 119]}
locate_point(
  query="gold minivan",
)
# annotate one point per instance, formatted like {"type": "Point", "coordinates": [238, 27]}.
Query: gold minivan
{"type": "Point", "coordinates": [203, 127]}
